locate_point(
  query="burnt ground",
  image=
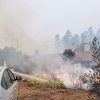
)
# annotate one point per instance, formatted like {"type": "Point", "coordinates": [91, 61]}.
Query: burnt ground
{"type": "Point", "coordinates": [29, 92]}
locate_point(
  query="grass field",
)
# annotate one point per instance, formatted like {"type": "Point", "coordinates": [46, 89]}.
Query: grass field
{"type": "Point", "coordinates": [41, 91]}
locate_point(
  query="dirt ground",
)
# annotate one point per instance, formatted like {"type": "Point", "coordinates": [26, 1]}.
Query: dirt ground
{"type": "Point", "coordinates": [29, 92]}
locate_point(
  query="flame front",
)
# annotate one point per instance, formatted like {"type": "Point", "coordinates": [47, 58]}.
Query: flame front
{"type": "Point", "coordinates": [74, 82]}
{"type": "Point", "coordinates": [44, 75]}
{"type": "Point", "coordinates": [97, 80]}
{"type": "Point", "coordinates": [62, 71]}
{"type": "Point", "coordinates": [57, 76]}
{"type": "Point", "coordinates": [65, 74]}
{"type": "Point", "coordinates": [23, 79]}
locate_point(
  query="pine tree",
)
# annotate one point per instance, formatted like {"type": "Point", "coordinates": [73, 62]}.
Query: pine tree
{"type": "Point", "coordinates": [57, 42]}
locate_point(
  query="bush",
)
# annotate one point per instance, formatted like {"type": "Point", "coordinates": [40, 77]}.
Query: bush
{"type": "Point", "coordinates": [95, 78]}
{"type": "Point", "coordinates": [69, 54]}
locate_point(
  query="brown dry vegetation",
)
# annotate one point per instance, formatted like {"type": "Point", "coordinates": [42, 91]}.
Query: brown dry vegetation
{"type": "Point", "coordinates": [30, 92]}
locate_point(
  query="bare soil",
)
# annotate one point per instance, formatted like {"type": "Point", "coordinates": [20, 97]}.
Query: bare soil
{"type": "Point", "coordinates": [29, 92]}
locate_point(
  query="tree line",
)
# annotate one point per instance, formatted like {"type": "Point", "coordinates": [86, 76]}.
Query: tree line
{"type": "Point", "coordinates": [10, 55]}
{"type": "Point", "coordinates": [75, 42]}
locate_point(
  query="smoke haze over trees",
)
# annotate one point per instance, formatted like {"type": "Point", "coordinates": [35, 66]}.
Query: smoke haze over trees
{"type": "Point", "coordinates": [77, 42]}
{"type": "Point", "coordinates": [35, 23]}
{"type": "Point", "coordinates": [16, 60]}
{"type": "Point", "coordinates": [57, 42]}
{"type": "Point", "coordinates": [9, 54]}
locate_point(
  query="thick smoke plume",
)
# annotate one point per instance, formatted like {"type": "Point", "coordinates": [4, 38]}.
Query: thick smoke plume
{"type": "Point", "coordinates": [53, 66]}
{"type": "Point", "coordinates": [17, 21]}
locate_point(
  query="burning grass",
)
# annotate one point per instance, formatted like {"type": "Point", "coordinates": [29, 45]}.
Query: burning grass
{"type": "Point", "coordinates": [75, 80]}
{"type": "Point", "coordinates": [43, 77]}
{"type": "Point", "coordinates": [62, 78]}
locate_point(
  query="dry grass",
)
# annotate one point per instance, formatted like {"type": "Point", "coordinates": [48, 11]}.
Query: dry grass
{"type": "Point", "coordinates": [43, 92]}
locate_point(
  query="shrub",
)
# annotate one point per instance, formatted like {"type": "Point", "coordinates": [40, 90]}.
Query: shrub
{"type": "Point", "coordinates": [69, 54]}
{"type": "Point", "coordinates": [95, 77]}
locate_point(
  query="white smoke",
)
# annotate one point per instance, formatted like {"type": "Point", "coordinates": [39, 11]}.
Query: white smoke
{"type": "Point", "coordinates": [71, 75]}
{"type": "Point", "coordinates": [75, 77]}
{"type": "Point", "coordinates": [17, 21]}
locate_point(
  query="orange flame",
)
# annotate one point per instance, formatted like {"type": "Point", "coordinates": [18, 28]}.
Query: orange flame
{"type": "Point", "coordinates": [97, 80]}
{"type": "Point", "coordinates": [44, 75]}
{"type": "Point", "coordinates": [57, 76]}
{"type": "Point", "coordinates": [74, 82]}
{"type": "Point", "coordinates": [23, 79]}
{"type": "Point", "coordinates": [65, 74]}
{"type": "Point", "coordinates": [62, 71]}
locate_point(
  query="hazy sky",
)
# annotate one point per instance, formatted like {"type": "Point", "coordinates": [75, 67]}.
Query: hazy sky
{"type": "Point", "coordinates": [56, 16]}
{"type": "Point", "coordinates": [41, 20]}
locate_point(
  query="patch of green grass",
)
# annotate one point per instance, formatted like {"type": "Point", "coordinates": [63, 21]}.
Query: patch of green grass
{"type": "Point", "coordinates": [56, 84]}
{"type": "Point", "coordinates": [50, 83]}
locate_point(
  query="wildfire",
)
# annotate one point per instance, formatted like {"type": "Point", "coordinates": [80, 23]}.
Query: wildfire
{"type": "Point", "coordinates": [62, 71]}
{"type": "Point", "coordinates": [45, 76]}
{"type": "Point", "coordinates": [56, 75]}
{"type": "Point", "coordinates": [97, 79]}
{"type": "Point", "coordinates": [65, 74]}
{"type": "Point", "coordinates": [23, 79]}
{"type": "Point", "coordinates": [74, 82]}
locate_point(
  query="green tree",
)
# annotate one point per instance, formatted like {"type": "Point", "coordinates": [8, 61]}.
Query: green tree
{"type": "Point", "coordinates": [96, 51]}
{"type": "Point", "coordinates": [61, 45]}
{"type": "Point", "coordinates": [95, 76]}
{"type": "Point", "coordinates": [67, 40]}
{"type": "Point", "coordinates": [9, 55]}
{"type": "Point", "coordinates": [81, 47]}
{"type": "Point", "coordinates": [84, 37]}
{"type": "Point", "coordinates": [69, 54]}
{"type": "Point", "coordinates": [75, 41]}
{"type": "Point", "coordinates": [91, 34]}
{"type": "Point", "coordinates": [87, 36]}
{"type": "Point", "coordinates": [98, 34]}
{"type": "Point", "coordinates": [57, 42]}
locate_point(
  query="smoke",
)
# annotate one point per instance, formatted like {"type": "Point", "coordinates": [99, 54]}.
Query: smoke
{"type": "Point", "coordinates": [75, 77]}
{"type": "Point", "coordinates": [52, 65]}
{"type": "Point", "coordinates": [47, 63]}
{"type": "Point", "coordinates": [17, 21]}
